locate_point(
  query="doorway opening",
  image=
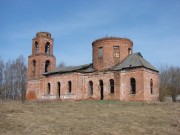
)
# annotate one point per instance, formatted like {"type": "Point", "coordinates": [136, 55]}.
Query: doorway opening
{"type": "Point", "coordinates": [101, 89]}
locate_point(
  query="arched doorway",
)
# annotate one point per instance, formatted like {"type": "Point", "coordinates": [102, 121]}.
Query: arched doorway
{"type": "Point", "coordinates": [101, 89]}
{"type": "Point", "coordinates": [59, 89]}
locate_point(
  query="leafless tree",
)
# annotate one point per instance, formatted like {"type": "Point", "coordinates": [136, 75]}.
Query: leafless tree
{"type": "Point", "coordinates": [1, 76]}
{"type": "Point", "coordinates": [169, 82]}
{"type": "Point", "coordinates": [14, 76]}
{"type": "Point", "coordinates": [21, 77]}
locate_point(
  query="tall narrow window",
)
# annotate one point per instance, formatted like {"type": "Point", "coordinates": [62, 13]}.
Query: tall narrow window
{"type": "Point", "coordinates": [151, 86]}
{"type": "Point", "coordinates": [90, 88]}
{"type": "Point", "coordinates": [111, 82]}
{"type": "Point", "coordinates": [59, 89]}
{"type": "Point", "coordinates": [47, 48]}
{"type": "Point", "coordinates": [133, 86]}
{"type": "Point", "coordinates": [37, 47]}
{"type": "Point", "coordinates": [100, 52]}
{"type": "Point", "coordinates": [69, 86]}
{"type": "Point", "coordinates": [101, 85]}
{"type": "Point", "coordinates": [116, 51]}
{"type": "Point", "coordinates": [47, 65]}
{"type": "Point", "coordinates": [129, 51]}
{"type": "Point", "coordinates": [34, 67]}
{"type": "Point", "coordinates": [48, 89]}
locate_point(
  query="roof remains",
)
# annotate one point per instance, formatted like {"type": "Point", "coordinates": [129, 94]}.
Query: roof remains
{"type": "Point", "coordinates": [134, 60]}
{"type": "Point", "coordinates": [82, 68]}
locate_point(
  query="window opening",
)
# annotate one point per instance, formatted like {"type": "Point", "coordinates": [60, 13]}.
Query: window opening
{"type": "Point", "coordinates": [69, 86]}
{"type": "Point", "coordinates": [133, 86]}
{"type": "Point", "coordinates": [116, 51]}
{"type": "Point", "coordinates": [47, 65]}
{"type": "Point", "coordinates": [37, 47]}
{"type": "Point", "coordinates": [47, 48]}
{"type": "Point", "coordinates": [101, 89]}
{"type": "Point", "coordinates": [34, 67]}
{"type": "Point", "coordinates": [129, 51]}
{"type": "Point", "coordinates": [49, 89]}
{"type": "Point", "coordinates": [100, 52]}
{"type": "Point", "coordinates": [90, 88]}
{"type": "Point", "coordinates": [59, 89]}
{"type": "Point", "coordinates": [111, 85]}
{"type": "Point", "coordinates": [151, 86]}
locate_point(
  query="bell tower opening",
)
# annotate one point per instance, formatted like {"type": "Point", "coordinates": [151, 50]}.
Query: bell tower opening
{"type": "Point", "coordinates": [37, 48]}
{"type": "Point", "coordinates": [47, 48]}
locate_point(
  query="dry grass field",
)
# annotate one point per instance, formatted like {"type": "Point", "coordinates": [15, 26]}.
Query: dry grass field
{"type": "Point", "coordinates": [89, 118]}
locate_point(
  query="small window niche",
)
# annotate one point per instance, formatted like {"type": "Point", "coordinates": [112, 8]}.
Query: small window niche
{"type": "Point", "coordinates": [151, 86]}
{"type": "Point", "coordinates": [129, 51]}
{"type": "Point", "coordinates": [36, 47]}
{"type": "Point", "coordinates": [116, 51]}
{"type": "Point", "coordinates": [100, 52]}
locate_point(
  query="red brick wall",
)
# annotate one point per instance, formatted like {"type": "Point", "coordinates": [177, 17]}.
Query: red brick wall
{"type": "Point", "coordinates": [80, 85]}
{"type": "Point", "coordinates": [126, 87]}
{"type": "Point", "coordinates": [143, 77]}
{"type": "Point", "coordinates": [148, 75]}
{"type": "Point", "coordinates": [108, 60]}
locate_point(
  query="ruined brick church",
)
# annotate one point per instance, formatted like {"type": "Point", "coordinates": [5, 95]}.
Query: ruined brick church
{"type": "Point", "coordinates": [116, 73]}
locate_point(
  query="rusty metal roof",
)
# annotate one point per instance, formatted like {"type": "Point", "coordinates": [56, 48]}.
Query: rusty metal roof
{"type": "Point", "coordinates": [133, 61]}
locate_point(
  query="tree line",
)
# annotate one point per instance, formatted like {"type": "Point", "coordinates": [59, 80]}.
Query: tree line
{"type": "Point", "coordinates": [13, 78]}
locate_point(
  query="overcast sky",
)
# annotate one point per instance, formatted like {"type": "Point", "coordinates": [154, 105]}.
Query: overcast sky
{"type": "Point", "coordinates": [152, 25]}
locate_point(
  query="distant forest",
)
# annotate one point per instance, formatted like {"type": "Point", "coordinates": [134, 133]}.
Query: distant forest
{"type": "Point", "coordinates": [13, 80]}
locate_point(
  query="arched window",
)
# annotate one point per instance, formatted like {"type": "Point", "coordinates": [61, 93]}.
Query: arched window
{"type": "Point", "coordinates": [34, 67]}
{"type": "Point", "coordinates": [111, 82]}
{"type": "Point", "coordinates": [133, 86]}
{"type": "Point", "coordinates": [59, 89]}
{"type": "Point", "coordinates": [37, 47]}
{"type": "Point", "coordinates": [90, 88]}
{"type": "Point", "coordinates": [69, 86]}
{"type": "Point", "coordinates": [47, 65]}
{"type": "Point", "coordinates": [151, 86]}
{"type": "Point", "coordinates": [101, 85]}
{"type": "Point", "coordinates": [47, 48]}
{"type": "Point", "coordinates": [48, 89]}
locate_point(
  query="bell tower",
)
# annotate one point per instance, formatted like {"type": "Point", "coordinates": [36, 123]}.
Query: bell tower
{"type": "Point", "coordinates": [42, 59]}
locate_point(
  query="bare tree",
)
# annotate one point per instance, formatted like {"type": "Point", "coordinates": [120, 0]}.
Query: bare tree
{"type": "Point", "coordinates": [1, 76]}
{"type": "Point", "coordinates": [13, 79]}
{"type": "Point", "coordinates": [169, 82]}
{"type": "Point", "coordinates": [21, 77]}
